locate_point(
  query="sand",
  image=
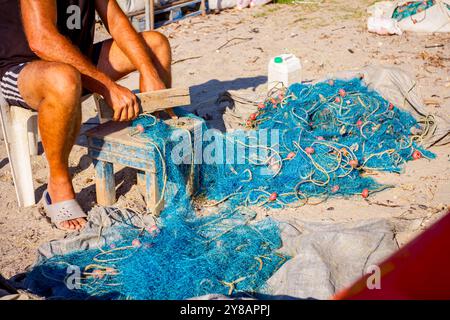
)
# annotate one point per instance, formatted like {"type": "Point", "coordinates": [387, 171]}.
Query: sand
{"type": "Point", "coordinates": [230, 51]}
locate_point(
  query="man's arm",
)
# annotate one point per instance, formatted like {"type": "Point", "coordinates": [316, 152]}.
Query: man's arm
{"type": "Point", "coordinates": [39, 20]}
{"type": "Point", "coordinates": [130, 42]}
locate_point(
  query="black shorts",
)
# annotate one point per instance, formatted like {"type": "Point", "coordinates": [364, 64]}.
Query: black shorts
{"type": "Point", "coordinates": [8, 83]}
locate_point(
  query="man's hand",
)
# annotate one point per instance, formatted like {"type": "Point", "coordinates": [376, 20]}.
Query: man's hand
{"type": "Point", "coordinates": [122, 101]}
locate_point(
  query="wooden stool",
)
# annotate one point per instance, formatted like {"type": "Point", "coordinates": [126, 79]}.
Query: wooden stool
{"type": "Point", "coordinates": [112, 143]}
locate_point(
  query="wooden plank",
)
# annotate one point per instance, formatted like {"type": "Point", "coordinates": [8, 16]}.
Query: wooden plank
{"type": "Point", "coordinates": [115, 132]}
{"type": "Point", "coordinates": [122, 160]}
{"type": "Point", "coordinates": [112, 132]}
{"type": "Point", "coordinates": [152, 101]}
{"type": "Point", "coordinates": [164, 99]}
{"type": "Point", "coordinates": [144, 153]}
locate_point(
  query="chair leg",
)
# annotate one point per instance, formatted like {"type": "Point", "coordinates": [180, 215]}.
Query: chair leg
{"type": "Point", "coordinates": [15, 122]}
{"type": "Point", "coordinates": [33, 134]}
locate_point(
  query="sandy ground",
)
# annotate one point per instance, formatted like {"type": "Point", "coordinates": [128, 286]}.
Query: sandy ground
{"type": "Point", "coordinates": [230, 51]}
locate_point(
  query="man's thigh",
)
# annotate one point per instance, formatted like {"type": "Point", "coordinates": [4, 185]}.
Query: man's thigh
{"type": "Point", "coordinates": [40, 78]}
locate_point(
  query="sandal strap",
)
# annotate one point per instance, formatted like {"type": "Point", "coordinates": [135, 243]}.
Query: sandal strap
{"type": "Point", "coordinates": [62, 211]}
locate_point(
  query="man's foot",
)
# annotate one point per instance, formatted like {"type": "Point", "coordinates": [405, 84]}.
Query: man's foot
{"type": "Point", "coordinates": [60, 192]}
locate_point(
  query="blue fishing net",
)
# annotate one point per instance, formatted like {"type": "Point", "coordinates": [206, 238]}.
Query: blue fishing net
{"type": "Point", "coordinates": [411, 8]}
{"type": "Point", "coordinates": [303, 145]}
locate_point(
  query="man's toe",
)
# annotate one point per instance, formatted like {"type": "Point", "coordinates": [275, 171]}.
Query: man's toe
{"type": "Point", "coordinates": [76, 225]}
{"type": "Point", "coordinates": [81, 222]}
{"type": "Point", "coordinates": [65, 225]}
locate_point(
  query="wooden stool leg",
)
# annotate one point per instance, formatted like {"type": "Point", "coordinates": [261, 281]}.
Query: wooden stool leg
{"type": "Point", "coordinates": [148, 185]}
{"type": "Point", "coordinates": [105, 184]}
{"type": "Point", "coordinates": [203, 7]}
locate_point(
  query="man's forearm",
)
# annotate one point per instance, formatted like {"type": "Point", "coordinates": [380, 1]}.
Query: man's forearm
{"type": "Point", "coordinates": [39, 21]}
{"type": "Point", "coordinates": [55, 47]}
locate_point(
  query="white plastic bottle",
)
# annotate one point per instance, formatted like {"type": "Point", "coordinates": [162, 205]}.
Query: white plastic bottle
{"type": "Point", "coordinates": [284, 70]}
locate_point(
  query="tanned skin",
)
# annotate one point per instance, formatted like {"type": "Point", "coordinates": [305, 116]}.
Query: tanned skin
{"type": "Point", "coordinates": [53, 85]}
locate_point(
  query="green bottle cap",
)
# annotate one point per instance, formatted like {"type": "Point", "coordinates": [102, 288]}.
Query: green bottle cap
{"type": "Point", "coordinates": [278, 60]}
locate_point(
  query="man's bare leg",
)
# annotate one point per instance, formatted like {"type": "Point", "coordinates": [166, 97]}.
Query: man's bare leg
{"type": "Point", "coordinates": [54, 90]}
{"type": "Point", "coordinates": [116, 64]}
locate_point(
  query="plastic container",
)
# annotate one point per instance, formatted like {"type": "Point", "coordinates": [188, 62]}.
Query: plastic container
{"type": "Point", "coordinates": [284, 70]}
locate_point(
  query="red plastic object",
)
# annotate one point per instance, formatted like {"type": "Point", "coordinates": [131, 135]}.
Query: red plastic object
{"type": "Point", "coordinates": [353, 163]}
{"type": "Point", "coordinates": [417, 155]}
{"type": "Point", "coordinates": [365, 193]}
{"type": "Point", "coordinates": [140, 128]}
{"type": "Point", "coordinates": [419, 271]}
{"type": "Point", "coordinates": [273, 197]}
{"type": "Point", "coordinates": [136, 243]}
{"type": "Point", "coordinates": [291, 155]}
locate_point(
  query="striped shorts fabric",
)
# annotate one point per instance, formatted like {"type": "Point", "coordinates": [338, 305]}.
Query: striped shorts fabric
{"type": "Point", "coordinates": [9, 88]}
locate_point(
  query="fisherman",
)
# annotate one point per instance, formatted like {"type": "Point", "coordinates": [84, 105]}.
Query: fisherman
{"type": "Point", "coordinates": [48, 60]}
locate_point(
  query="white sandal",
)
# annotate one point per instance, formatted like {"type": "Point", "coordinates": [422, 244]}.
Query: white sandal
{"type": "Point", "coordinates": [62, 211]}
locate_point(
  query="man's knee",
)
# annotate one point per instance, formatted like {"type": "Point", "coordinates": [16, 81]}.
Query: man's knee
{"type": "Point", "coordinates": [156, 40]}
{"type": "Point", "coordinates": [64, 82]}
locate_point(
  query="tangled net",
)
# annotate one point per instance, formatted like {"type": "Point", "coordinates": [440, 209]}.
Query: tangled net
{"type": "Point", "coordinates": [324, 140]}
{"type": "Point", "coordinates": [411, 8]}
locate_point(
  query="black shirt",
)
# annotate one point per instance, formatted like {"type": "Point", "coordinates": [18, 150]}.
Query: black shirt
{"type": "Point", "coordinates": [14, 48]}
